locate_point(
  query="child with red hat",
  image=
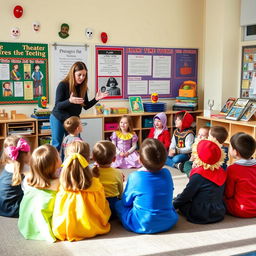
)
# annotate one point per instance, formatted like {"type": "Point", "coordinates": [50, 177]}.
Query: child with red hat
{"type": "Point", "coordinates": [182, 139]}
{"type": "Point", "coordinates": [201, 201]}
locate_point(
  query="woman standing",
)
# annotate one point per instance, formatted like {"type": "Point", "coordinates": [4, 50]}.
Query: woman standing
{"type": "Point", "coordinates": [71, 96]}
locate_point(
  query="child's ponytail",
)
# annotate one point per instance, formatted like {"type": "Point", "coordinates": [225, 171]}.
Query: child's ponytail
{"type": "Point", "coordinates": [17, 154]}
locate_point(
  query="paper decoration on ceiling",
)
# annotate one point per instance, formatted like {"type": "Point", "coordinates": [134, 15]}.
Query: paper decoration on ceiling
{"type": "Point", "coordinates": [15, 32]}
{"type": "Point", "coordinates": [36, 26]}
{"type": "Point", "coordinates": [89, 33]}
{"type": "Point", "coordinates": [64, 29]}
{"type": "Point", "coordinates": [18, 11]}
{"type": "Point", "coordinates": [104, 37]}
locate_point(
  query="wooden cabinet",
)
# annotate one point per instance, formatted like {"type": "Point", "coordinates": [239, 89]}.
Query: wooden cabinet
{"type": "Point", "coordinates": [232, 127]}
{"type": "Point", "coordinates": [24, 127]}
{"type": "Point", "coordinates": [96, 127]}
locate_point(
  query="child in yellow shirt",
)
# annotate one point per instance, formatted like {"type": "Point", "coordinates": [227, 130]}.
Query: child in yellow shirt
{"type": "Point", "coordinates": [81, 209]}
{"type": "Point", "coordinates": [104, 153]}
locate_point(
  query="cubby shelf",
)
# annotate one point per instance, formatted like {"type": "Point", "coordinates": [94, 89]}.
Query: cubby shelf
{"type": "Point", "coordinates": [231, 126]}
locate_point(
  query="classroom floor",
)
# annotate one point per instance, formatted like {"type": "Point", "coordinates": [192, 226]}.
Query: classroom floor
{"type": "Point", "coordinates": [233, 236]}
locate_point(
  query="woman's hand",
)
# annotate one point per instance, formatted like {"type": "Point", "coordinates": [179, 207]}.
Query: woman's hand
{"type": "Point", "coordinates": [100, 95]}
{"type": "Point", "coordinates": [75, 100]}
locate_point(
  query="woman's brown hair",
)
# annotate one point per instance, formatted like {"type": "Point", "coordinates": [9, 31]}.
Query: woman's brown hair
{"type": "Point", "coordinates": [74, 177]}
{"type": "Point", "coordinates": [19, 163]}
{"type": "Point", "coordinates": [70, 79]}
{"type": "Point", "coordinates": [43, 166]}
{"type": "Point", "coordinates": [103, 153]}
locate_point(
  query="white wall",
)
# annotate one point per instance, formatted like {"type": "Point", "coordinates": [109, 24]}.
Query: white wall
{"type": "Point", "coordinates": [163, 23]}
{"type": "Point", "coordinates": [221, 68]}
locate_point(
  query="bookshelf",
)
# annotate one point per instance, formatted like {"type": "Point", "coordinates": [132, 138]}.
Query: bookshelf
{"type": "Point", "coordinates": [36, 130]}
{"type": "Point", "coordinates": [25, 127]}
{"type": "Point", "coordinates": [139, 123]}
{"type": "Point", "coordinates": [232, 127]}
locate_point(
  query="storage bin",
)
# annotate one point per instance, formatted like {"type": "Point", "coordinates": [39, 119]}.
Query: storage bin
{"type": "Point", "coordinates": [110, 126]}
{"type": "Point", "coordinates": [147, 122]}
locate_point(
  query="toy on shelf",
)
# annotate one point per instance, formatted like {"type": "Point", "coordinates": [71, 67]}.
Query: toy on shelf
{"type": "Point", "coordinates": [187, 99]}
{"type": "Point", "coordinates": [99, 108]}
{"type": "Point", "coordinates": [14, 115]}
{"type": "Point", "coordinates": [42, 112]}
{"type": "Point", "coordinates": [119, 110]}
{"type": "Point", "coordinates": [154, 97]}
{"type": "Point", "coordinates": [3, 115]}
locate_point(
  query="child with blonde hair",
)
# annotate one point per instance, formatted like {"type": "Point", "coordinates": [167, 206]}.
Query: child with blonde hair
{"type": "Point", "coordinates": [36, 207]}
{"type": "Point", "coordinates": [125, 140]}
{"type": "Point", "coordinates": [81, 209]}
{"type": "Point", "coordinates": [146, 205]}
{"type": "Point", "coordinates": [104, 153]}
{"type": "Point", "coordinates": [14, 165]}
{"type": "Point", "coordinates": [73, 127]}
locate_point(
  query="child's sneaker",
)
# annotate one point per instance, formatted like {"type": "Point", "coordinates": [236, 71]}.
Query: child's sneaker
{"type": "Point", "coordinates": [179, 166]}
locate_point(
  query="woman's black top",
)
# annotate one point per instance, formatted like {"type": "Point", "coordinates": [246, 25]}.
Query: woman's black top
{"type": "Point", "coordinates": [63, 109]}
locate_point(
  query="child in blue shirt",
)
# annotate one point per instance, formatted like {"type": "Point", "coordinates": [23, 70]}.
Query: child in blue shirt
{"type": "Point", "coordinates": [146, 205]}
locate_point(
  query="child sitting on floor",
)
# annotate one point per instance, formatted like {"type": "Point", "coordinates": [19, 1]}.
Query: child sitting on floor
{"type": "Point", "coordinates": [201, 201]}
{"type": "Point", "coordinates": [14, 165]}
{"type": "Point", "coordinates": [125, 140]}
{"type": "Point", "coordinates": [160, 131]}
{"type": "Point", "coordinates": [73, 126]}
{"type": "Point", "coordinates": [220, 134]}
{"type": "Point", "coordinates": [81, 209]}
{"type": "Point", "coordinates": [36, 207]}
{"type": "Point", "coordinates": [146, 205]}
{"type": "Point", "coordinates": [240, 190]}
{"type": "Point", "coordinates": [104, 153]}
{"type": "Point", "coordinates": [186, 167]}
{"type": "Point", "coordinates": [182, 139]}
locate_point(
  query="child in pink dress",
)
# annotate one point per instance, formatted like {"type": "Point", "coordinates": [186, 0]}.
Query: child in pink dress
{"type": "Point", "coordinates": [125, 141]}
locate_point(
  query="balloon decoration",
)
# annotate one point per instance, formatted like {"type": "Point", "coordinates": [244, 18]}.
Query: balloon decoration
{"type": "Point", "coordinates": [104, 37]}
{"type": "Point", "coordinates": [18, 11]}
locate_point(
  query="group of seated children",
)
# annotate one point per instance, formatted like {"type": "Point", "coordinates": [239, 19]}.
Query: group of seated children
{"type": "Point", "coordinates": [72, 201]}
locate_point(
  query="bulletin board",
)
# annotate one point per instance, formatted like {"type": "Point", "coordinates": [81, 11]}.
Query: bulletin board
{"type": "Point", "coordinates": [23, 72]}
{"type": "Point", "coordinates": [139, 71]}
{"type": "Point", "coordinates": [248, 72]}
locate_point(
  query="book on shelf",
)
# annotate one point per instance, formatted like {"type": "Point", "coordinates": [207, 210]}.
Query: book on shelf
{"type": "Point", "coordinates": [238, 109]}
{"type": "Point", "coordinates": [21, 132]}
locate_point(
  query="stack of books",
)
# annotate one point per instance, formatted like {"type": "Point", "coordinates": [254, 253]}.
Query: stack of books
{"type": "Point", "coordinates": [42, 113]}
{"type": "Point", "coordinates": [44, 127]}
{"type": "Point", "coordinates": [185, 103]}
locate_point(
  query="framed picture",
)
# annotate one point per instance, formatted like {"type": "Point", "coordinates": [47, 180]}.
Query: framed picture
{"type": "Point", "coordinates": [229, 103]}
{"type": "Point", "coordinates": [248, 72]}
{"type": "Point", "coordinates": [136, 104]}
{"type": "Point", "coordinates": [238, 109]}
{"type": "Point", "coordinates": [250, 111]}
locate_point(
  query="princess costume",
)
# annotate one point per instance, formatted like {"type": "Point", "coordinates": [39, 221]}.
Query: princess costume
{"type": "Point", "coordinates": [125, 143]}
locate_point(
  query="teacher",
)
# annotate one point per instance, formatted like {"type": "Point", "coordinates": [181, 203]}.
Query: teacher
{"type": "Point", "coordinates": [71, 96]}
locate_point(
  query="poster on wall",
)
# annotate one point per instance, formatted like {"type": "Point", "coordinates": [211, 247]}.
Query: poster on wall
{"type": "Point", "coordinates": [64, 56]}
{"type": "Point", "coordinates": [248, 72]}
{"type": "Point", "coordinates": [145, 70]}
{"type": "Point", "coordinates": [23, 72]}
{"type": "Point", "coordinates": [109, 71]}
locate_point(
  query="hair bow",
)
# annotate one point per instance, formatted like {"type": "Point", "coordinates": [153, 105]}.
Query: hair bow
{"type": "Point", "coordinates": [13, 151]}
{"type": "Point", "coordinates": [72, 157]}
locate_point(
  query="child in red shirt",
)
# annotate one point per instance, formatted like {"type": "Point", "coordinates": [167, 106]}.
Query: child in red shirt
{"type": "Point", "coordinates": [160, 131]}
{"type": "Point", "coordinates": [240, 190]}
